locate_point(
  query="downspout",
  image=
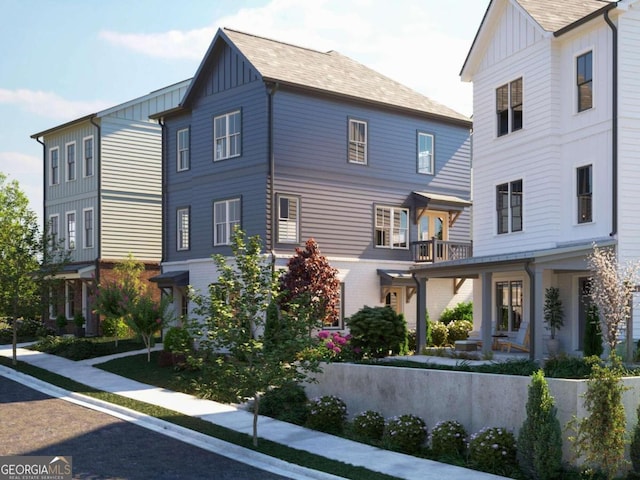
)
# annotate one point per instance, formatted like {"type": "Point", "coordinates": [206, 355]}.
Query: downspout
{"type": "Point", "coordinates": [532, 311]}
{"type": "Point", "coordinates": [271, 91]}
{"type": "Point", "coordinates": [420, 319]}
{"type": "Point", "coordinates": [614, 126]}
{"type": "Point", "coordinates": [45, 313]}
{"type": "Point", "coordinates": [163, 173]}
{"type": "Point", "coordinates": [98, 152]}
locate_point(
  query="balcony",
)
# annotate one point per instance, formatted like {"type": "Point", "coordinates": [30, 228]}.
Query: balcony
{"type": "Point", "coordinates": [435, 250]}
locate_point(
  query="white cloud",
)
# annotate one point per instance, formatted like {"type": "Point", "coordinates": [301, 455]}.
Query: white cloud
{"type": "Point", "coordinates": [49, 104]}
{"type": "Point", "coordinates": [408, 41]}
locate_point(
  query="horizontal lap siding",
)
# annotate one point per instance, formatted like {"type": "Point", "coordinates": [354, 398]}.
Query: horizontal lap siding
{"type": "Point", "coordinates": [207, 181]}
{"type": "Point", "coordinates": [131, 188]}
{"type": "Point", "coordinates": [338, 198]}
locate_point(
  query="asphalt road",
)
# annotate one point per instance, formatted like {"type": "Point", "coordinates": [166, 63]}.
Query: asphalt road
{"type": "Point", "coordinates": [102, 446]}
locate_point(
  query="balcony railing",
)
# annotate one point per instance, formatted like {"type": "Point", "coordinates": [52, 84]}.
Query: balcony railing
{"type": "Point", "coordinates": [435, 250]}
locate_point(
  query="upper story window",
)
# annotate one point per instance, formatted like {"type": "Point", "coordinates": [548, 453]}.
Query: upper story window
{"type": "Point", "coordinates": [392, 227]}
{"type": "Point", "coordinates": [54, 166]}
{"type": "Point", "coordinates": [425, 153]}
{"type": "Point", "coordinates": [584, 80]}
{"type": "Point", "coordinates": [509, 107]}
{"type": "Point", "coordinates": [87, 155]}
{"type": "Point", "coordinates": [182, 230]}
{"type": "Point", "coordinates": [226, 217]}
{"type": "Point", "coordinates": [288, 219]}
{"type": "Point", "coordinates": [183, 149]}
{"type": "Point", "coordinates": [509, 206]}
{"type": "Point", "coordinates": [357, 141]}
{"type": "Point", "coordinates": [226, 134]}
{"type": "Point", "coordinates": [71, 161]}
{"type": "Point", "coordinates": [584, 193]}
{"type": "Point", "coordinates": [71, 230]}
{"type": "Point", "coordinates": [54, 230]}
{"type": "Point", "coordinates": [88, 227]}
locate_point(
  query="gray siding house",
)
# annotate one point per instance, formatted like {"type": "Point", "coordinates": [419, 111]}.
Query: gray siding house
{"type": "Point", "coordinates": [103, 194]}
{"type": "Point", "coordinates": [290, 144]}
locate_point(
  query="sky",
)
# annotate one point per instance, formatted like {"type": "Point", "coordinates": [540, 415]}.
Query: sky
{"type": "Point", "coordinates": [63, 59]}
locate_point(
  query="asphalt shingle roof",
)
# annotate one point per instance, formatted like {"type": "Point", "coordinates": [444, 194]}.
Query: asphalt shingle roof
{"type": "Point", "coordinates": [331, 72]}
{"type": "Point", "coordinates": [554, 15]}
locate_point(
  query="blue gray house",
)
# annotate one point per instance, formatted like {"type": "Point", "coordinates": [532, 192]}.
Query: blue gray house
{"type": "Point", "coordinates": [291, 143]}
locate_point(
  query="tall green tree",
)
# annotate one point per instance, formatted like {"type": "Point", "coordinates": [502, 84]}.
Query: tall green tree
{"type": "Point", "coordinates": [230, 323]}
{"type": "Point", "coordinates": [21, 247]}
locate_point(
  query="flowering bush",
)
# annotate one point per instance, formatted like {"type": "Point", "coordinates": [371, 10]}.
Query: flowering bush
{"type": "Point", "coordinates": [336, 346]}
{"type": "Point", "coordinates": [406, 433]}
{"type": "Point", "coordinates": [493, 450]}
{"type": "Point", "coordinates": [448, 438]}
{"type": "Point", "coordinates": [368, 425]}
{"type": "Point", "coordinates": [439, 334]}
{"type": "Point", "coordinates": [459, 330]}
{"type": "Point", "coordinates": [327, 414]}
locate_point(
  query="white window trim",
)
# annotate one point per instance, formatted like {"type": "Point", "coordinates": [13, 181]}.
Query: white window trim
{"type": "Point", "coordinates": [75, 161]}
{"type": "Point", "coordinates": [365, 159]}
{"type": "Point", "coordinates": [510, 216]}
{"type": "Point", "coordinates": [286, 221]}
{"type": "Point", "coordinates": [432, 156]}
{"type": "Point", "coordinates": [84, 156]}
{"type": "Point", "coordinates": [184, 149]}
{"type": "Point", "coordinates": [228, 137]}
{"type": "Point", "coordinates": [75, 231]}
{"type": "Point", "coordinates": [227, 223]}
{"type": "Point", "coordinates": [375, 227]}
{"type": "Point", "coordinates": [56, 217]}
{"type": "Point", "coordinates": [51, 150]}
{"type": "Point", "coordinates": [84, 228]}
{"type": "Point", "coordinates": [574, 76]}
{"type": "Point", "coordinates": [508, 83]}
{"type": "Point", "coordinates": [179, 213]}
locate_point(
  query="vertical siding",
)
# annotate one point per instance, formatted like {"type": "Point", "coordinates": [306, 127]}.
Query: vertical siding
{"type": "Point", "coordinates": [227, 70]}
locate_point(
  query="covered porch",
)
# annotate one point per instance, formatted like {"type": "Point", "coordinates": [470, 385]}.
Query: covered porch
{"type": "Point", "coordinates": [509, 294]}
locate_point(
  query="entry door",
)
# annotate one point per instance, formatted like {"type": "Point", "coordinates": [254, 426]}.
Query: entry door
{"type": "Point", "coordinates": [393, 299]}
{"type": "Point", "coordinates": [584, 301]}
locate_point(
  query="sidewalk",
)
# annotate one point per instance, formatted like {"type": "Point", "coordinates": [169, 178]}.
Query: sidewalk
{"type": "Point", "coordinates": [336, 448]}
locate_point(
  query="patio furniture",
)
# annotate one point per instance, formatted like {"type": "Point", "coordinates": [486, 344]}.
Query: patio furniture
{"type": "Point", "coordinates": [466, 345]}
{"type": "Point", "coordinates": [520, 342]}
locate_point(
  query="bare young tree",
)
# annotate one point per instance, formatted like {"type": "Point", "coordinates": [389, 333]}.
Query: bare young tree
{"type": "Point", "coordinates": [611, 290]}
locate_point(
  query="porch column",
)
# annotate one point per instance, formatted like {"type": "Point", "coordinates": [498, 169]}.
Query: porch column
{"type": "Point", "coordinates": [421, 322]}
{"type": "Point", "coordinates": [486, 322]}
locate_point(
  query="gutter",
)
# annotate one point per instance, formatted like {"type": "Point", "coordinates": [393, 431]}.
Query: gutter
{"type": "Point", "coordinates": [614, 125]}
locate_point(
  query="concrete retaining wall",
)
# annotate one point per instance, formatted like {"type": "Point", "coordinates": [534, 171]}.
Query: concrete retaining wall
{"type": "Point", "coordinates": [476, 400]}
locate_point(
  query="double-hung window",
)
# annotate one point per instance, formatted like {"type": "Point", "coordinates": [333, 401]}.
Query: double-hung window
{"type": "Point", "coordinates": [54, 230]}
{"type": "Point", "coordinates": [509, 206]}
{"type": "Point", "coordinates": [54, 166]}
{"type": "Point", "coordinates": [71, 230]}
{"type": "Point", "coordinates": [392, 227]}
{"type": "Point", "coordinates": [87, 155]}
{"type": "Point", "coordinates": [584, 193]}
{"type": "Point", "coordinates": [509, 296]}
{"type": "Point", "coordinates": [182, 230]}
{"type": "Point", "coordinates": [584, 81]}
{"type": "Point", "coordinates": [226, 217]}
{"type": "Point", "coordinates": [88, 227]}
{"type": "Point", "coordinates": [288, 219]}
{"type": "Point", "coordinates": [226, 134]}
{"type": "Point", "coordinates": [425, 153]}
{"type": "Point", "coordinates": [357, 142]}
{"type": "Point", "coordinates": [71, 161]}
{"type": "Point", "coordinates": [183, 149]}
{"type": "Point", "coordinates": [509, 107]}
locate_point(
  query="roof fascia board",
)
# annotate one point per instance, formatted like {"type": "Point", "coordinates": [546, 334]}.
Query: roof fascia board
{"type": "Point", "coordinates": [72, 123]}
{"type": "Point", "coordinates": [585, 19]}
{"type": "Point", "coordinates": [155, 93]}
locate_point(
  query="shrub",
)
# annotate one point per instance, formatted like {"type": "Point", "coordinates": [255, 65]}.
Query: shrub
{"type": "Point", "coordinates": [287, 403]}
{"type": "Point", "coordinates": [406, 433]}
{"type": "Point", "coordinates": [61, 322]}
{"type": "Point", "coordinates": [448, 439]}
{"type": "Point", "coordinates": [634, 448]}
{"type": "Point", "coordinates": [378, 332]}
{"type": "Point", "coordinates": [462, 311]}
{"type": "Point", "coordinates": [177, 340]}
{"type": "Point", "coordinates": [592, 334]}
{"type": "Point", "coordinates": [540, 438]}
{"type": "Point", "coordinates": [327, 414]}
{"type": "Point", "coordinates": [368, 426]}
{"type": "Point", "coordinates": [493, 450]}
{"type": "Point", "coordinates": [334, 346]}
{"type": "Point", "coordinates": [115, 327]}
{"type": "Point", "coordinates": [564, 366]}
{"type": "Point", "coordinates": [459, 330]}
{"type": "Point", "coordinates": [439, 334]}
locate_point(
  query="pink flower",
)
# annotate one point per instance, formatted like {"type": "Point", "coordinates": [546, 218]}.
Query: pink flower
{"type": "Point", "coordinates": [323, 334]}
{"type": "Point", "coordinates": [341, 340]}
{"type": "Point", "coordinates": [330, 345]}
{"type": "Point", "coordinates": [337, 349]}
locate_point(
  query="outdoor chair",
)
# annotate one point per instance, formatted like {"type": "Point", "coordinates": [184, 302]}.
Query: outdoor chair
{"type": "Point", "coordinates": [520, 342]}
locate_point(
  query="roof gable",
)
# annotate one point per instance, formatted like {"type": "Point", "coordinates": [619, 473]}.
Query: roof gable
{"type": "Point", "coordinates": [325, 72]}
